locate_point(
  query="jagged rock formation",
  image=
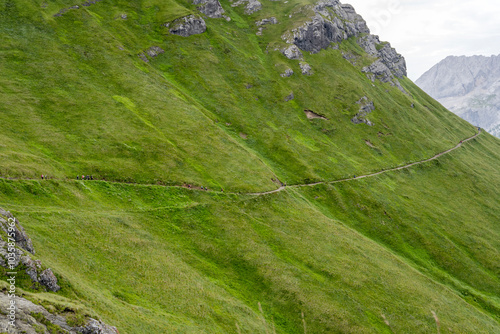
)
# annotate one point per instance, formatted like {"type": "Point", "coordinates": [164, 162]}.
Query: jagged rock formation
{"type": "Point", "coordinates": [32, 319]}
{"type": "Point", "coordinates": [386, 54]}
{"type": "Point", "coordinates": [334, 22]}
{"type": "Point", "coordinates": [211, 8]}
{"type": "Point", "coordinates": [251, 7]}
{"type": "Point", "coordinates": [469, 87]}
{"type": "Point", "coordinates": [187, 26]}
{"type": "Point", "coordinates": [365, 108]}
{"type": "Point", "coordinates": [18, 257]}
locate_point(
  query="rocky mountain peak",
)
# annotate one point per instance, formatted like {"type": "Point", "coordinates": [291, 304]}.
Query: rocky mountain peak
{"type": "Point", "coordinates": [469, 87]}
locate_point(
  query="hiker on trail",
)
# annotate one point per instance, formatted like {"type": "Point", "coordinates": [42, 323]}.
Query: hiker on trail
{"type": "Point", "coordinates": [221, 190]}
{"type": "Point", "coordinates": [354, 176]}
{"type": "Point", "coordinates": [42, 176]}
{"type": "Point", "coordinates": [78, 177]}
{"type": "Point", "coordinates": [83, 177]}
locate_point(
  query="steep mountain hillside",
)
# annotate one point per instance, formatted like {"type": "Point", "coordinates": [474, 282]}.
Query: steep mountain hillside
{"type": "Point", "coordinates": [249, 167]}
{"type": "Point", "coordinates": [468, 86]}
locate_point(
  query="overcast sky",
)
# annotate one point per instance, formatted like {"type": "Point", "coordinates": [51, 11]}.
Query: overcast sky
{"type": "Point", "coordinates": [427, 31]}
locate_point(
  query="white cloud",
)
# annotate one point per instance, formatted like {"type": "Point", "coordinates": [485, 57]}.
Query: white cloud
{"type": "Point", "coordinates": [425, 31]}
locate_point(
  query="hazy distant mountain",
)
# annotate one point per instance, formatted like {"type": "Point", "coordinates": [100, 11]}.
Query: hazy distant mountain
{"type": "Point", "coordinates": [468, 86]}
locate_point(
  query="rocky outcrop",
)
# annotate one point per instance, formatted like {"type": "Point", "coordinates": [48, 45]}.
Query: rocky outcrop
{"type": "Point", "coordinates": [251, 6]}
{"type": "Point", "coordinates": [365, 108]}
{"type": "Point", "coordinates": [292, 52]}
{"type": "Point", "coordinates": [97, 327]}
{"type": "Point", "coordinates": [334, 22]}
{"type": "Point", "coordinates": [31, 318]}
{"type": "Point", "coordinates": [388, 66]}
{"type": "Point", "coordinates": [22, 240]}
{"type": "Point", "coordinates": [18, 258]}
{"type": "Point", "coordinates": [387, 55]}
{"type": "Point", "coordinates": [211, 8]}
{"type": "Point", "coordinates": [48, 279]}
{"type": "Point", "coordinates": [187, 26]}
{"type": "Point", "coordinates": [469, 87]}
{"type": "Point", "coordinates": [305, 68]}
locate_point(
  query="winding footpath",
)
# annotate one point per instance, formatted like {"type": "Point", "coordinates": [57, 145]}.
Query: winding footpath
{"type": "Point", "coordinates": [305, 184]}
{"type": "Point", "coordinates": [368, 175]}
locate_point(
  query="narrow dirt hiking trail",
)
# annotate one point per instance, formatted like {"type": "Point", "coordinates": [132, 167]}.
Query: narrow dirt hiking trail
{"type": "Point", "coordinates": [295, 185]}
{"type": "Point", "coordinates": [368, 175]}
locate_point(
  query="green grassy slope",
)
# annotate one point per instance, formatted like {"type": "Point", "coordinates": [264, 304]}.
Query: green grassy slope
{"type": "Point", "coordinates": [75, 91]}
{"type": "Point", "coordinates": [159, 259]}
{"type": "Point", "coordinates": [375, 255]}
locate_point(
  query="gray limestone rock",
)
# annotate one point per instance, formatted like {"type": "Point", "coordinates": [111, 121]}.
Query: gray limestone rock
{"type": "Point", "coordinates": [365, 108]}
{"type": "Point", "coordinates": [332, 22]}
{"type": "Point", "coordinates": [31, 267]}
{"type": "Point", "coordinates": [48, 279]}
{"type": "Point", "coordinates": [20, 236]}
{"type": "Point", "coordinates": [187, 26]}
{"type": "Point", "coordinates": [211, 8]}
{"type": "Point", "coordinates": [305, 68]}
{"type": "Point", "coordinates": [251, 7]}
{"type": "Point", "coordinates": [378, 70]}
{"type": "Point", "coordinates": [292, 52]}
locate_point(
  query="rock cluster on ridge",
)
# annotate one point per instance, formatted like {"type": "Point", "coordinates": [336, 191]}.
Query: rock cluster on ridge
{"type": "Point", "coordinates": [334, 22]}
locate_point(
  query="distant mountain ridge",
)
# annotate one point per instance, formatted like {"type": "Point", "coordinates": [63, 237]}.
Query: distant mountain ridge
{"type": "Point", "coordinates": [468, 86]}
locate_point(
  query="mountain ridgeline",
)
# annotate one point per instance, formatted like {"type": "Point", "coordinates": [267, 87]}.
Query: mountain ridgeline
{"type": "Point", "coordinates": [469, 87]}
{"type": "Point", "coordinates": [250, 166]}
